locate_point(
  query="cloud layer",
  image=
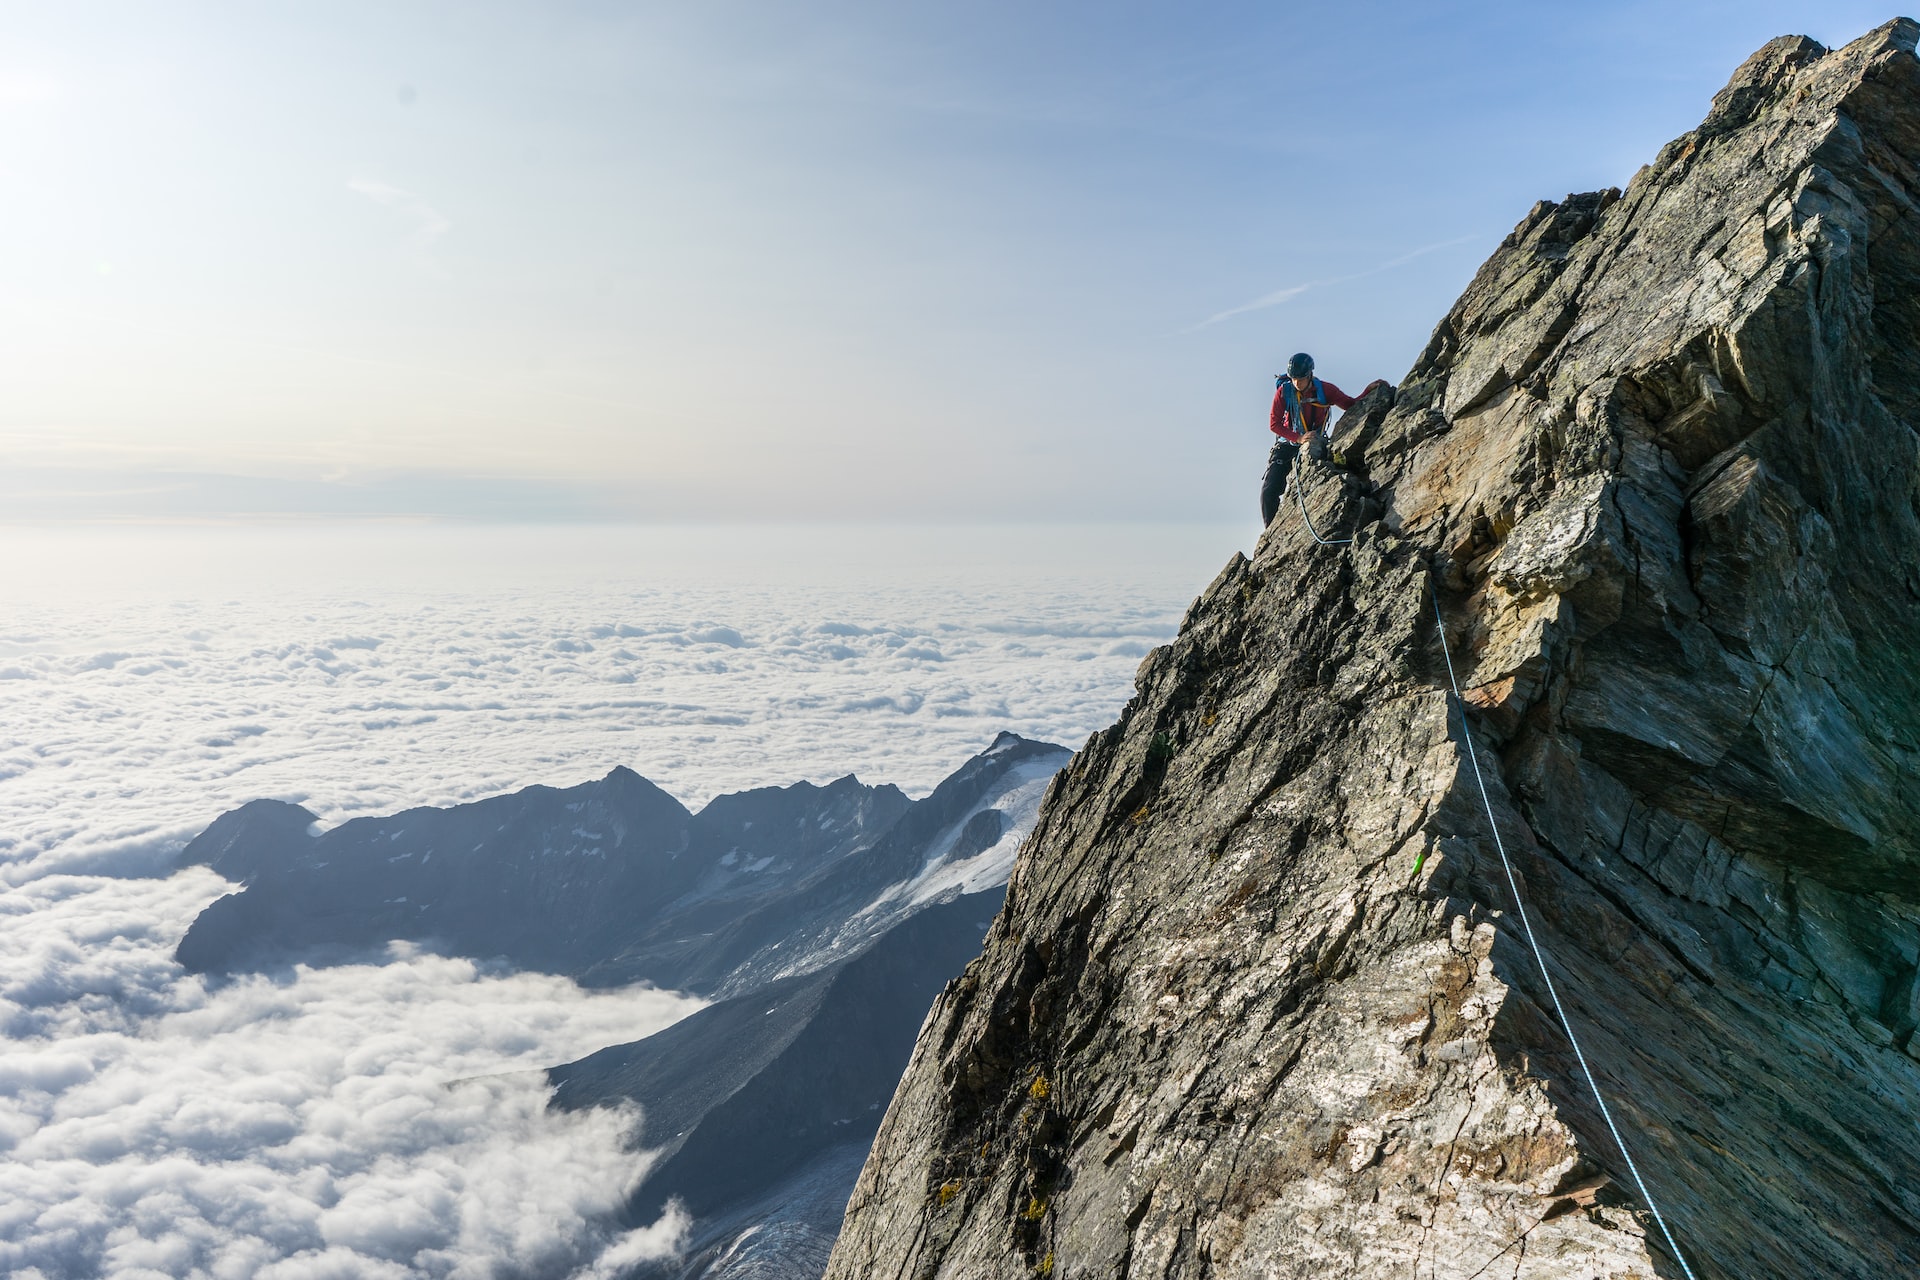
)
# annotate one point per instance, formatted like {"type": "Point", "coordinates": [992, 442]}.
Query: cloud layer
{"type": "Point", "coordinates": [134, 718]}
{"type": "Point", "coordinates": [389, 1120]}
{"type": "Point", "coordinates": [361, 1121]}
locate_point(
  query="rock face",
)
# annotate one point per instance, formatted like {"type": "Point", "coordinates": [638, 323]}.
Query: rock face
{"type": "Point", "coordinates": [1258, 1003]}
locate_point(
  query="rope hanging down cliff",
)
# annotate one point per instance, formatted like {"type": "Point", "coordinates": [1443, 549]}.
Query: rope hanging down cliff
{"type": "Point", "coordinates": [1520, 907]}
{"type": "Point", "coordinates": [1300, 491]}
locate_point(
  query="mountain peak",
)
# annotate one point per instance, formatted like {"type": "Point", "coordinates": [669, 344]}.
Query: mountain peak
{"type": "Point", "coordinates": [1261, 1001]}
{"type": "Point", "coordinates": [244, 841]}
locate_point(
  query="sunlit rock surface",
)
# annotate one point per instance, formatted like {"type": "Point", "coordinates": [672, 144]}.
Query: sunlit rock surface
{"type": "Point", "coordinates": [1258, 1003]}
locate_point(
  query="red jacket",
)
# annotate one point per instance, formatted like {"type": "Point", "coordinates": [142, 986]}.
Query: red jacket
{"type": "Point", "coordinates": [1315, 414]}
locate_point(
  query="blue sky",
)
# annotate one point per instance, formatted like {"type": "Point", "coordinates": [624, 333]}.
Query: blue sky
{"type": "Point", "coordinates": [728, 261]}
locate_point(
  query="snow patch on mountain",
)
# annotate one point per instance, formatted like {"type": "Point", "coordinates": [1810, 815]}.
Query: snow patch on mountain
{"type": "Point", "coordinates": [1018, 800]}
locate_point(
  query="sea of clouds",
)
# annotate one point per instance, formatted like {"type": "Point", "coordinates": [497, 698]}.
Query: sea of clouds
{"type": "Point", "coordinates": [364, 1121]}
{"type": "Point", "coordinates": [390, 1119]}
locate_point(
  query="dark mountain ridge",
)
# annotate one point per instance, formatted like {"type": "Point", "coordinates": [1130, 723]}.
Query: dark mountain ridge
{"type": "Point", "coordinates": [746, 1098]}
{"type": "Point", "coordinates": [609, 882]}
{"type": "Point", "coordinates": [824, 920]}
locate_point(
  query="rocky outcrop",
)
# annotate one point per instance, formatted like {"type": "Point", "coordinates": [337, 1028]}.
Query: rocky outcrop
{"type": "Point", "coordinates": [1257, 1004]}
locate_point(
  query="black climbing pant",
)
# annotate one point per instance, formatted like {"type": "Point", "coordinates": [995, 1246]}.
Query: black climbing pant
{"type": "Point", "coordinates": [1274, 483]}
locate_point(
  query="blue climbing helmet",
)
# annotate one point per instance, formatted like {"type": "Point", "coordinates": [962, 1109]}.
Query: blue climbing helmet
{"type": "Point", "coordinates": [1300, 365]}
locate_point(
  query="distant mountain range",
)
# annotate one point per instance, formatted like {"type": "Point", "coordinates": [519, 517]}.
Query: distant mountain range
{"type": "Point", "coordinates": [822, 920]}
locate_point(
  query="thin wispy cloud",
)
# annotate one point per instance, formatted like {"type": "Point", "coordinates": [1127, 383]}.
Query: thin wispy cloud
{"type": "Point", "coordinates": [1291, 292]}
{"type": "Point", "coordinates": [429, 224]}
{"type": "Point", "coordinates": [1261, 303]}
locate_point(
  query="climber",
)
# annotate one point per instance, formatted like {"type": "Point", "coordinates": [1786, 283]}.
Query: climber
{"type": "Point", "coordinates": [1302, 404]}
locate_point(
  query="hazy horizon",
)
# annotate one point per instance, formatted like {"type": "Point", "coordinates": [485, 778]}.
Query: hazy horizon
{"type": "Point", "coordinates": [741, 261]}
{"type": "Point", "coordinates": [156, 677]}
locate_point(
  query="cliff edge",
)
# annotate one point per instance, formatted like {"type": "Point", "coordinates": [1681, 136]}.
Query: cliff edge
{"type": "Point", "coordinates": [1258, 1003]}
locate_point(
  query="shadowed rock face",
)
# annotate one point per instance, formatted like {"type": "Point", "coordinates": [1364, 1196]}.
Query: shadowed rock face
{"type": "Point", "coordinates": [1660, 468]}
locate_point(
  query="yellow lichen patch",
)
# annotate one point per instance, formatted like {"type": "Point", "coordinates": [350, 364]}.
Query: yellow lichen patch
{"type": "Point", "coordinates": [1140, 815]}
{"type": "Point", "coordinates": [1045, 1266]}
{"type": "Point", "coordinates": [1039, 1089]}
{"type": "Point", "coordinates": [948, 1190]}
{"type": "Point", "coordinates": [1036, 1209]}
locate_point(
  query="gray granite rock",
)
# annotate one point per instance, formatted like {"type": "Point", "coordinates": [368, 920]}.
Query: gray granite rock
{"type": "Point", "coordinates": [1259, 1003]}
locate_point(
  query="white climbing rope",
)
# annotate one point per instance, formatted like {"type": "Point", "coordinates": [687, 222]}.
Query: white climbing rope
{"type": "Point", "coordinates": [1540, 958]}
{"type": "Point", "coordinates": [1299, 486]}
{"type": "Point", "coordinates": [1513, 883]}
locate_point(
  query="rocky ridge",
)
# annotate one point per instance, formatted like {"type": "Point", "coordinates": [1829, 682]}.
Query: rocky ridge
{"type": "Point", "coordinates": [615, 881]}
{"type": "Point", "coordinates": [1256, 1004]}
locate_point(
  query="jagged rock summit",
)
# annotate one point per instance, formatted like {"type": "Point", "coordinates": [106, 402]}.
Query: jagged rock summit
{"type": "Point", "coordinates": [1258, 1003]}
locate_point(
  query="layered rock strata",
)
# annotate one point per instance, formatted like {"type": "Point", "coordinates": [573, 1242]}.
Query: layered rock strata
{"type": "Point", "coordinates": [1257, 1004]}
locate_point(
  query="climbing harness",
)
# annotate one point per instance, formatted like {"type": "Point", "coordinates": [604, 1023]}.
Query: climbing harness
{"type": "Point", "coordinates": [1298, 480]}
{"type": "Point", "coordinates": [1520, 907]}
